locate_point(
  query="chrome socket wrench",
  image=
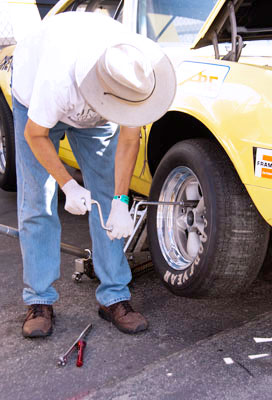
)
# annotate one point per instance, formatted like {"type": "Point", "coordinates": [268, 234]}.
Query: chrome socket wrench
{"type": "Point", "coordinates": [79, 344]}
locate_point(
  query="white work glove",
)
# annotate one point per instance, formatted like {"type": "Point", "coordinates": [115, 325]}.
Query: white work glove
{"type": "Point", "coordinates": [78, 199]}
{"type": "Point", "coordinates": [119, 220]}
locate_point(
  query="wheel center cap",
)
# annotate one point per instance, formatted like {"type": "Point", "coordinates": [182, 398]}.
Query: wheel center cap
{"type": "Point", "coordinates": [190, 218]}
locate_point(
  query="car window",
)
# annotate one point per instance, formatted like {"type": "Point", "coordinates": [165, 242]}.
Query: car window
{"type": "Point", "coordinates": [106, 7]}
{"type": "Point", "coordinates": [176, 21]}
{"type": "Point", "coordinates": [44, 6]}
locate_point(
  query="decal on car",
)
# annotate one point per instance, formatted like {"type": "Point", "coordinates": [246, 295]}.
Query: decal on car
{"type": "Point", "coordinates": [202, 79]}
{"type": "Point", "coordinates": [5, 63]}
{"type": "Point", "coordinates": [263, 163]}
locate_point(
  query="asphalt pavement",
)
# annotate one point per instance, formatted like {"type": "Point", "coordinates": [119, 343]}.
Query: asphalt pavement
{"type": "Point", "coordinates": [193, 349]}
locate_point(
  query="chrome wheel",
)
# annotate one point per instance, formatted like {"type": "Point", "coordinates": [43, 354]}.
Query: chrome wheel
{"type": "Point", "coordinates": [181, 230]}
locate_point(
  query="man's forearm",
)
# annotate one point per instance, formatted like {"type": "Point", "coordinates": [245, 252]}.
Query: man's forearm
{"type": "Point", "coordinates": [45, 152]}
{"type": "Point", "coordinates": [125, 159]}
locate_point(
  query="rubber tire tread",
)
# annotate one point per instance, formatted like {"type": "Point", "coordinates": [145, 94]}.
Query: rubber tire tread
{"type": "Point", "coordinates": [238, 237]}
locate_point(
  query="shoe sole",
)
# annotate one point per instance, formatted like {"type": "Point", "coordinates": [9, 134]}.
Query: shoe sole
{"type": "Point", "coordinates": [37, 334]}
{"type": "Point", "coordinates": [106, 317]}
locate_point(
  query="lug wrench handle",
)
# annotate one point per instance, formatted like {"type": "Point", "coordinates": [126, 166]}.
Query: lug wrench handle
{"type": "Point", "coordinates": [99, 213]}
{"type": "Point", "coordinates": [81, 344]}
{"type": "Point", "coordinates": [101, 216]}
{"type": "Point", "coordinates": [185, 203]}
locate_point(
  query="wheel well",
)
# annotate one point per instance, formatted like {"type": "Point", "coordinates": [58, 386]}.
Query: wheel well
{"type": "Point", "coordinates": [173, 127]}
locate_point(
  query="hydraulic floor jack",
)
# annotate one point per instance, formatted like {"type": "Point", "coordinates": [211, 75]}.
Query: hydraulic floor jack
{"type": "Point", "coordinates": [136, 247]}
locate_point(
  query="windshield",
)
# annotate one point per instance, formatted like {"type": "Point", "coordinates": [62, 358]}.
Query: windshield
{"type": "Point", "coordinates": [175, 21]}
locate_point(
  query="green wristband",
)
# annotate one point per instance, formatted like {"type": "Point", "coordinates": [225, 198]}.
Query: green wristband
{"type": "Point", "coordinates": [123, 198]}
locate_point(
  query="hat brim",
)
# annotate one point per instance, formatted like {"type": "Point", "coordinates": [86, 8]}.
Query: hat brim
{"type": "Point", "coordinates": [124, 112]}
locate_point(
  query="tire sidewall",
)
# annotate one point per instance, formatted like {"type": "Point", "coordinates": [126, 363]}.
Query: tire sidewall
{"type": "Point", "coordinates": [190, 279]}
{"type": "Point", "coordinates": [8, 178]}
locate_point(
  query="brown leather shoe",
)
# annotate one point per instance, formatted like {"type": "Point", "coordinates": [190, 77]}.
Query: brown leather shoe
{"type": "Point", "coordinates": [123, 317]}
{"type": "Point", "coordinates": [39, 321]}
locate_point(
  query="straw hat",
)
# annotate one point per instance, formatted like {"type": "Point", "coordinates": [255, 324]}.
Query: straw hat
{"type": "Point", "coordinates": [132, 82]}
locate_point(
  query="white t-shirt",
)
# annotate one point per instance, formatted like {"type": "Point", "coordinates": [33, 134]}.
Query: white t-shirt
{"type": "Point", "coordinates": [44, 68]}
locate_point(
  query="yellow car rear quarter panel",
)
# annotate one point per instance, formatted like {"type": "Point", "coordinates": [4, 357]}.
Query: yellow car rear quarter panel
{"type": "Point", "coordinates": [234, 102]}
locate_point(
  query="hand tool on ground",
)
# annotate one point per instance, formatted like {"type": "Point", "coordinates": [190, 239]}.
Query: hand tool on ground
{"type": "Point", "coordinates": [79, 344]}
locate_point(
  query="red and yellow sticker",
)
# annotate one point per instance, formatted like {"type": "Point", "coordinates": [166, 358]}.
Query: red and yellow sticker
{"type": "Point", "coordinates": [263, 163]}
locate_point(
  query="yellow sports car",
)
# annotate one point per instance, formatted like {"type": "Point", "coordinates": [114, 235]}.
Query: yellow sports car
{"type": "Point", "coordinates": [214, 146]}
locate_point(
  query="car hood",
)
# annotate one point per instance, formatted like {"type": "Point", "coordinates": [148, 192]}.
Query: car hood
{"type": "Point", "coordinates": [253, 18]}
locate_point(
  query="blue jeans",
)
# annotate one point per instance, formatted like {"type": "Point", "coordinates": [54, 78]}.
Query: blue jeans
{"type": "Point", "coordinates": [38, 220]}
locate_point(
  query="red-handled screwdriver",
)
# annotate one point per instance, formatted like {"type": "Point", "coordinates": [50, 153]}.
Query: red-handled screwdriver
{"type": "Point", "coordinates": [81, 344]}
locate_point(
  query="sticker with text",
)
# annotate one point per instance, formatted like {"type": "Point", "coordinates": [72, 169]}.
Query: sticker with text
{"type": "Point", "coordinates": [201, 79]}
{"type": "Point", "coordinates": [263, 163]}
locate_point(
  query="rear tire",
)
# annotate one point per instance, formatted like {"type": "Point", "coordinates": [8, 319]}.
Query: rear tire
{"type": "Point", "coordinates": [7, 148]}
{"type": "Point", "coordinates": [215, 248]}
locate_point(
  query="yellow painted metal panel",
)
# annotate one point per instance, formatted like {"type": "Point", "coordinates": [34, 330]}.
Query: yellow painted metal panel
{"type": "Point", "coordinates": [238, 113]}
{"type": "Point", "coordinates": [5, 72]}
